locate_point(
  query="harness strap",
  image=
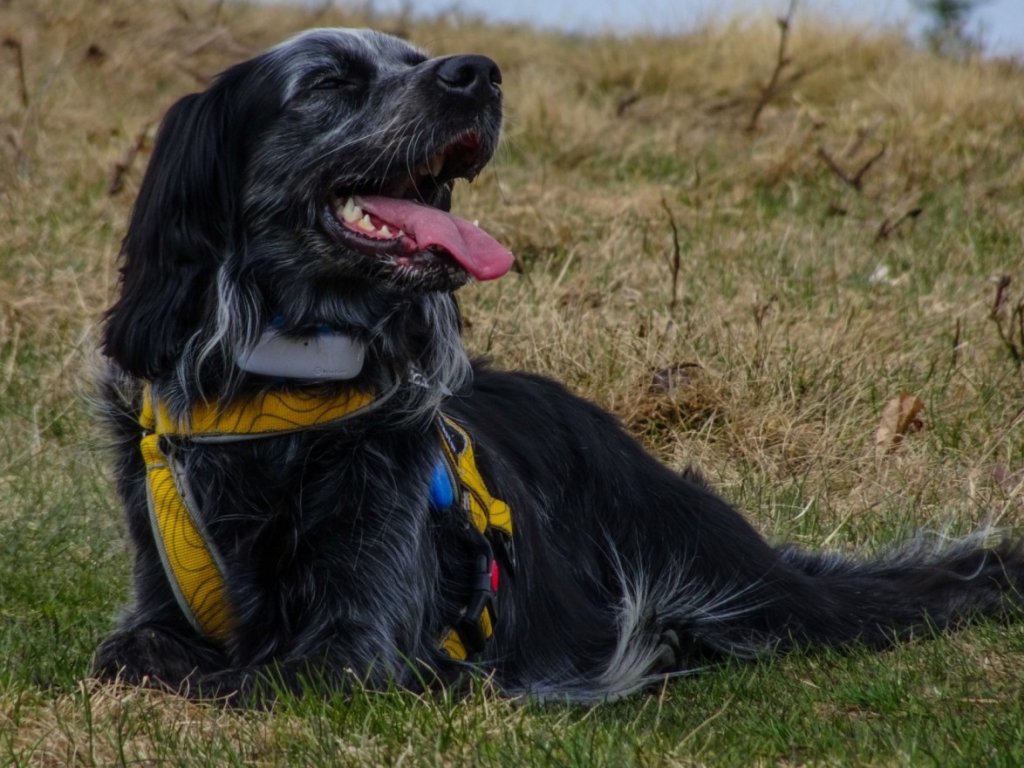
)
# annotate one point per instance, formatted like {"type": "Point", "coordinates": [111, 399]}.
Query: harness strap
{"type": "Point", "coordinates": [192, 567]}
{"type": "Point", "coordinates": [264, 414]}
{"type": "Point", "coordinates": [486, 512]}
{"type": "Point", "coordinates": [491, 521]}
{"type": "Point", "coordinates": [190, 559]}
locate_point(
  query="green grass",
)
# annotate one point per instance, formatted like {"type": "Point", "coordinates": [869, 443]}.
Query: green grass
{"type": "Point", "coordinates": [791, 338]}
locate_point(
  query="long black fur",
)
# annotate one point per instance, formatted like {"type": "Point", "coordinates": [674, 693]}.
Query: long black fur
{"type": "Point", "coordinates": [336, 566]}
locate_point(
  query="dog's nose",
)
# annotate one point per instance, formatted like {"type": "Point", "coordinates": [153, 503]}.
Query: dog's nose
{"type": "Point", "coordinates": [475, 76]}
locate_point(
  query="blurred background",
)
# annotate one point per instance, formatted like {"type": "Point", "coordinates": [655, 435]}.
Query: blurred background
{"type": "Point", "coordinates": [994, 27]}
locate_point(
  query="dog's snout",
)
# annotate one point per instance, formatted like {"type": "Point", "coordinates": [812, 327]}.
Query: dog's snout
{"type": "Point", "coordinates": [474, 76]}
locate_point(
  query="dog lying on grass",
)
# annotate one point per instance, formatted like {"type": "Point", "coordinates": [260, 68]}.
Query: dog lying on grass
{"type": "Point", "coordinates": [320, 485]}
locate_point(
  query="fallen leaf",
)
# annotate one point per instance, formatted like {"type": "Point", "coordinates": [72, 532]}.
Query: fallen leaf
{"type": "Point", "coordinates": [900, 417]}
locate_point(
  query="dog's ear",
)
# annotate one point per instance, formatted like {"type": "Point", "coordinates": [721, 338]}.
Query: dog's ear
{"type": "Point", "coordinates": [183, 223]}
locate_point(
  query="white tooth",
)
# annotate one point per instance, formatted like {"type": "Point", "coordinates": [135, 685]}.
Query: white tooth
{"type": "Point", "coordinates": [401, 233]}
{"type": "Point", "coordinates": [366, 224]}
{"type": "Point", "coordinates": [436, 164]}
{"type": "Point", "coordinates": [351, 212]}
{"type": "Point", "coordinates": [385, 231]}
{"type": "Point", "coordinates": [476, 223]}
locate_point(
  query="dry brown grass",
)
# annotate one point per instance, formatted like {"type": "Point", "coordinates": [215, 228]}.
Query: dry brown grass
{"type": "Point", "coordinates": [601, 137]}
{"type": "Point", "coordinates": [605, 140]}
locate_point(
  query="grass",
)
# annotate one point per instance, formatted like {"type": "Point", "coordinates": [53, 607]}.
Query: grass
{"type": "Point", "coordinates": [802, 305]}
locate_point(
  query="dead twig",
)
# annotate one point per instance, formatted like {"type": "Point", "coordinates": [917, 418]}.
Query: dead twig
{"type": "Point", "coordinates": [1009, 325]}
{"type": "Point", "coordinates": [889, 225]}
{"type": "Point", "coordinates": [676, 261]}
{"type": "Point", "coordinates": [14, 140]}
{"type": "Point", "coordinates": [957, 334]}
{"type": "Point", "coordinates": [782, 60]}
{"type": "Point", "coordinates": [625, 103]}
{"type": "Point", "coordinates": [182, 11]}
{"type": "Point", "coordinates": [855, 180]}
{"type": "Point", "coordinates": [122, 166]}
{"type": "Point", "coordinates": [14, 44]}
{"type": "Point", "coordinates": [762, 310]}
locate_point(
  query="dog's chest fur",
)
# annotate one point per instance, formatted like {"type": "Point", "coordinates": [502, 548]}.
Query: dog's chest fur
{"type": "Point", "coordinates": [328, 522]}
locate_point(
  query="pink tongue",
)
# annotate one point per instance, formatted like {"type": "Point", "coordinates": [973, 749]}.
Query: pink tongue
{"type": "Point", "coordinates": [476, 251]}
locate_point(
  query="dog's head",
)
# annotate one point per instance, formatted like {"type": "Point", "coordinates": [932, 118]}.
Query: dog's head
{"type": "Point", "coordinates": [312, 181]}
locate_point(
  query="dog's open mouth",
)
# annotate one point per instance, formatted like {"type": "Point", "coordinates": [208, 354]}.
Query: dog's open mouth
{"type": "Point", "coordinates": [412, 234]}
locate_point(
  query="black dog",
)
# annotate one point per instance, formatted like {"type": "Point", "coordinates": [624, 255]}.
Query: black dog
{"type": "Point", "coordinates": [290, 251]}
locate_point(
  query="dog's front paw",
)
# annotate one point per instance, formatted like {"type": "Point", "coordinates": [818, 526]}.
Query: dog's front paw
{"type": "Point", "coordinates": [155, 657]}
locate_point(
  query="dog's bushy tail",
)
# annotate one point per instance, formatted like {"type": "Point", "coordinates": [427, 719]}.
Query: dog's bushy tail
{"type": "Point", "coordinates": [925, 584]}
{"type": "Point", "coordinates": [807, 599]}
{"type": "Point", "coordinates": [679, 625]}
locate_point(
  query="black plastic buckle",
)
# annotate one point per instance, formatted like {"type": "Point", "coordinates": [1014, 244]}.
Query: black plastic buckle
{"type": "Point", "coordinates": [469, 626]}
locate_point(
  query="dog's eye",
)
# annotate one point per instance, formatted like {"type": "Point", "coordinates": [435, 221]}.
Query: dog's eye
{"type": "Point", "coordinates": [330, 83]}
{"type": "Point", "coordinates": [333, 83]}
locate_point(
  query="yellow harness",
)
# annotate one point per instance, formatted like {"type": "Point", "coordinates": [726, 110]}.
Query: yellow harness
{"type": "Point", "coordinates": [192, 565]}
